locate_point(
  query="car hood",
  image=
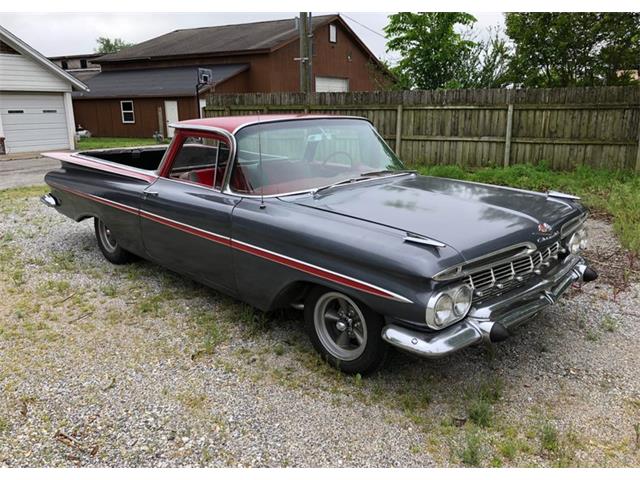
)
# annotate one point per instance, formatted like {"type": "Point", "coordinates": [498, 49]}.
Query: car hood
{"type": "Point", "coordinates": [472, 218]}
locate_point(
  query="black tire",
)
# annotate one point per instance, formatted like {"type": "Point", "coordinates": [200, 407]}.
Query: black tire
{"type": "Point", "coordinates": [109, 245]}
{"type": "Point", "coordinates": [357, 357]}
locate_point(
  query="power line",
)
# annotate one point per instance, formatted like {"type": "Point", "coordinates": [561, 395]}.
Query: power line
{"type": "Point", "coordinates": [363, 25]}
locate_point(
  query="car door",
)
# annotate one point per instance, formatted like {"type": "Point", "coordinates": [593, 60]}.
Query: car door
{"type": "Point", "coordinates": [185, 218]}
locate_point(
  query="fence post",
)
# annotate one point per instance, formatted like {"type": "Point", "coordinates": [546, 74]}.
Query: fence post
{"type": "Point", "coordinates": [398, 129]}
{"type": "Point", "coordinates": [638, 152]}
{"type": "Point", "coordinates": [507, 138]}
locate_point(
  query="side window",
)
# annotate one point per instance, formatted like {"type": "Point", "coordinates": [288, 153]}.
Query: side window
{"type": "Point", "coordinates": [126, 110]}
{"type": "Point", "coordinates": [333, 33]}
{"type": "Point", "coordinates": [201, 160]}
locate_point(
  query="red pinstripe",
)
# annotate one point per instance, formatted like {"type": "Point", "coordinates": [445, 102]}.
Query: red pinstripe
{"type": "Point", "coordinates": [243, 247]}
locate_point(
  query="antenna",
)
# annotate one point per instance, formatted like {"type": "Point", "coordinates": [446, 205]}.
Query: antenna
{"type": "Point", "coordinates": [262, 205]}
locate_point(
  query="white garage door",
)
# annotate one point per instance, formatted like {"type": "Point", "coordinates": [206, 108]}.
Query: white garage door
{"type": "Point", "coordinates": [332, 84]}
{"type": "Point", "coordinates": [33, 122]}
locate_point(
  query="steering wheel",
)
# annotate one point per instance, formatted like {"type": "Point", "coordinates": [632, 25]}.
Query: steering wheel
{"type": "Point", "coordinates": [336, 153]}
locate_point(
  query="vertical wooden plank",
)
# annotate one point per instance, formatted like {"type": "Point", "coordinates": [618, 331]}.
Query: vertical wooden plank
{"type": "Point", "coordinates": [507, 137]}
{"type": "Point", "coordinates": [398, 128]}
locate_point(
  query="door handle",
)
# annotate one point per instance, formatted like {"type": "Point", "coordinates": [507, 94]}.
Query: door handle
{"type": "Point", "coordinates": [151, 194]}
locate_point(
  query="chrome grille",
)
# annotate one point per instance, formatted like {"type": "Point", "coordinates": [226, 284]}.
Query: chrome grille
{"type": "Point", "coordinates": [510, 274]}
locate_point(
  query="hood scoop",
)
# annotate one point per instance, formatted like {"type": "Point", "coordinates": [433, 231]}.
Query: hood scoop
{"type": "Point", "coordinates": [421, 239]}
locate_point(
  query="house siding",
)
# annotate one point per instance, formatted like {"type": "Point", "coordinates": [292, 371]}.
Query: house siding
{"type": "Point", "coordinates": [102, 117]}
{"type": "Point", "coordinates": [21, 74]}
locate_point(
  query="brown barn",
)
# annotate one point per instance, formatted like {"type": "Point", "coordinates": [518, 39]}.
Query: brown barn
{"type": "Point", "coordinates": [143, 88]}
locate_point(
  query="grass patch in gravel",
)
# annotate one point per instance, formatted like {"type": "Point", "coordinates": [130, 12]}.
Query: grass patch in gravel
{"type": "Point", "coordinates": [616, 193]}
{"type": "Point", "coordinates": [471, 452]}
{"type": "Point", "coordinates": [93, 143]}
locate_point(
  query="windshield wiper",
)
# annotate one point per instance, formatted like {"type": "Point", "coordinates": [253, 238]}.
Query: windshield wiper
{"type": "Point", "coordinates": [375, 173]}
{"type": "Point", "coordinates": [363, 176]}
{"type": "Point", "coordinates": [337, 184]}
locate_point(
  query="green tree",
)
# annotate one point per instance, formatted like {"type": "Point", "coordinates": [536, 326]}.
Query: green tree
{"type": "Point", "coordinates": [108, 45]}
{"type": "Point", "coordinates": [567, 49]}
{"type": "Point", "coordinates": [485, 64]}
{"type": "Point", "coordinates": [430, 47]}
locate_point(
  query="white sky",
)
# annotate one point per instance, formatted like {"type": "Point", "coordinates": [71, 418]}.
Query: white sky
{"type": "Point", "coordinates": [75, 33]}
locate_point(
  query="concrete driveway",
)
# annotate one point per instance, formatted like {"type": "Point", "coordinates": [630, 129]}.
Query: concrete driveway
{"type": "Point", "coordinates": [23, 172]}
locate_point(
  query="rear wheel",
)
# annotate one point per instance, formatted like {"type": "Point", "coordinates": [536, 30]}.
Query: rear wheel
{"type": "Point", "coordinates": [109, 245]}
{"type": "Point", "coordinates": [347, 333]}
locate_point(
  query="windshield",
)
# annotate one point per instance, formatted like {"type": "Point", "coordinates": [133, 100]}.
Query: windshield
{"type": "Point", "coordinates": [301, 155]}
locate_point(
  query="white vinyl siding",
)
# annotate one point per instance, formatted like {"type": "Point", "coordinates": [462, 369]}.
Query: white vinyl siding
{"type": "Point", "coordinates": [332, 84]}
{"type": "Point", "coordinates": [20, 73]}
{"type": "Point", "coordinates": [39, 122]}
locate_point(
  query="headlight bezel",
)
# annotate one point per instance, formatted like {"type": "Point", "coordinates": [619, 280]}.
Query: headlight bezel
{"type": "Point", "coordinates": [433, 320]}
{"type": "Point", "coordinates": [578, 241]}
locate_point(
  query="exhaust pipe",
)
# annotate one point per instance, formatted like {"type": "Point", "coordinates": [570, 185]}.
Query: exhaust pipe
{"type": "Point", "coordinates": [493, 331]}
{"type": "Point", "coordinates": [589, 274]}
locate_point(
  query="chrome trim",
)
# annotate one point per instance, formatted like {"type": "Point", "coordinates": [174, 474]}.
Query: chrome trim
{"type": "Point", "coordinates": [430, 315]}
{"type": "Point", "coordinates": [572, 225]}
{"type": "Point", "coordinates": [566, 196]}
{"type": "Point", "coordinates": [49, 200]}
{"type": "Point", "coordinates": [303, 116]}
{"type": "Point", "coordinates": [208, 129]}
{"type": "Point", "coordinates": [409, 237]}
{"type": "Point", "coordinates": [509, 310]}
{"type": "Point", "coordinates": [457, 271]}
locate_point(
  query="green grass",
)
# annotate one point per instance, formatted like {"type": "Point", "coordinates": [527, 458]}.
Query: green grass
{"type": "Point", "coordinates": [471, 451]}
{"type": "Point", "coordinates": [549, 437]}
{"type": "Point", "coordinates": [113, 142]}
{"type": "Point", "coordinates": [616, 193]}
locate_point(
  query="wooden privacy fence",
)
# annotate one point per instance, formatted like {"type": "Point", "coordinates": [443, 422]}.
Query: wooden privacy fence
{"type": "Point", "coordinates": [567, 127]}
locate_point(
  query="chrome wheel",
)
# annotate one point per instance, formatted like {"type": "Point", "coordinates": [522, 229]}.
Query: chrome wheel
{"type": "Point", "coordinates": [340, 326]}
{"type": "Point", "coordinates": [106, 237]}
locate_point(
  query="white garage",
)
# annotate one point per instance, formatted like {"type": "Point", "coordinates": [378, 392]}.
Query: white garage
{"type": "Point", "coordinates": [36, 113]}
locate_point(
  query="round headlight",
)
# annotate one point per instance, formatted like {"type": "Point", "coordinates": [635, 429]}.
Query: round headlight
{"type": "Point", "coordinates": [462, 301]}
{"type": "Point", "coordinates": [577, 241]}
{"type": "Point", "coordinates": [443, 310]}
{"type": "Point", "coordinates": [584, 239]}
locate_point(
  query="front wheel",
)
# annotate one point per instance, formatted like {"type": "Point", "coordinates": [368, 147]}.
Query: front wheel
{"type": "Point", "coordinates": [109, 245]}
{"type": "Point", "coordinates": [347, 333]}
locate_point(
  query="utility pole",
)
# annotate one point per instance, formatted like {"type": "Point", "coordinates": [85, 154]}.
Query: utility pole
{"type": "Point", "coordinates": [306, 51]}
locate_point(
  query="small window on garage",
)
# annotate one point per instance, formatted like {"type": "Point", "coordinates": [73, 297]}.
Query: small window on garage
{"type": "Point", "coordinates": [126, 107]}
{"type": "Point", "coordinates": [49, 111]}
{"type": "Point", "coordinates": [83, 63]}
{"type": "Point", "coordinates": [15, 111]}
{"type": "Point", "coordinates": [333, 33]}
{"type": "Point", "coordinates": [64, 64]}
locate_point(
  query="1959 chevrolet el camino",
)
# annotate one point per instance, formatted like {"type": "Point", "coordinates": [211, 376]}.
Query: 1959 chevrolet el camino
{"type": "Point", "coordinates": [317, 212]}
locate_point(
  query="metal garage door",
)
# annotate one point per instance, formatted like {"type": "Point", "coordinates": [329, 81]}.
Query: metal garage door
{"type": "Point", "coordinates": [33, 121]}
{"type": "Point", "coordinates": [332, 84]}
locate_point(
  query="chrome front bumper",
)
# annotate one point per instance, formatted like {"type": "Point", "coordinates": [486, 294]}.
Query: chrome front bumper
{"type": "Point", "coordinates": [490, 319]}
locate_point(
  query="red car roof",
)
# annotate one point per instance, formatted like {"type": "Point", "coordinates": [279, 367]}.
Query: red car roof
{"type": "Point", "coordinates": [230, 124]}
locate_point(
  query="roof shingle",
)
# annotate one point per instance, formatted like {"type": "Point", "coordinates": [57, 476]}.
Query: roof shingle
{"type": "Point", "coordinates": [215, 40]}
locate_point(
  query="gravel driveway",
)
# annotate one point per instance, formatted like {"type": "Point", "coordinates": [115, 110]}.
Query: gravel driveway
{"type": "Point", "coordinates": [104, 365]}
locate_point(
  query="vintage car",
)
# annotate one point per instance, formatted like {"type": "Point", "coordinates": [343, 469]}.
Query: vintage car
{"type": "Point", "coordinates": [318, 213]}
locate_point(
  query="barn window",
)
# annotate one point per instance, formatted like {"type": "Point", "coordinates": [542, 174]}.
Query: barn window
{"type": "Point", "coordinates": [126, 108]}
{"type": "Point", "coordinates": [83, 63]}
{"type": "Point", "coordinates": [333, 33]}
{"type": "Point", "coordinates": [64, 64]}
